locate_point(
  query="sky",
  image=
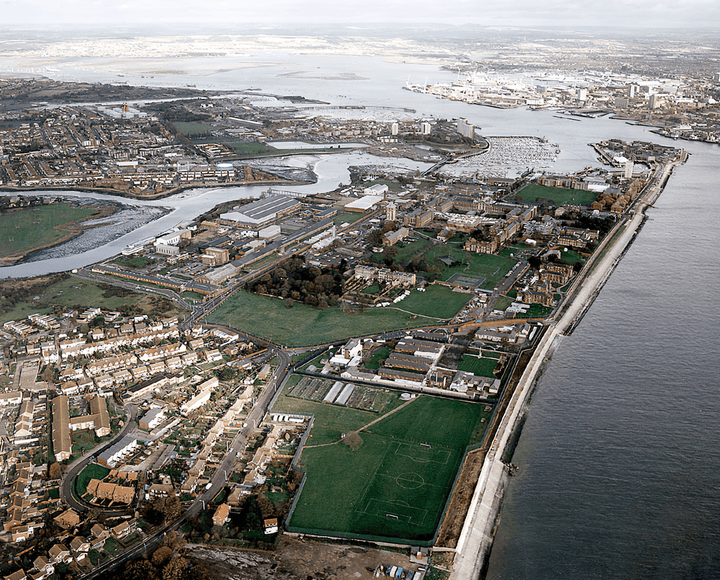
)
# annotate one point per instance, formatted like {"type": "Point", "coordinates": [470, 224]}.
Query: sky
{"type": "Point", "coordinates": [523, 13]}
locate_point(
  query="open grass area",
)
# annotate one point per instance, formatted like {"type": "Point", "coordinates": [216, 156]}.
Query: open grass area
{"type": "Point", "coordinates": [349, 217]}
{"type": "Point", "coordinates": [555, 195]}
{"type": "Point", "coordinates": [405, 252]}
{"type": "Point", "coordinates": [80, 293]}
{"type": "Point", "coordinates": [134, 262]}
{"type": "Point", "coordinates": [304, 325]}
{"type": "Point", "coordinates": [489, 267]}
{"type": "Point", "coordinates": [377, 358]}
{"type": "Point", "coordinates": [437, 301]}
{"type": "Point", "coordinates": [112, 546]}
{"type": "Point", "coordinates": [82, 441]}
{"type": "Point", "coordinates": [536, 311]}
{"type": "Point", "coordinates": [26, 229]}
{"type": "Point", "coordinates": [331, 421]}
{"type": "Point", "coordinates": [443, 422]}
{"type": "Point", "coordinates": [392, 185]}
{"type": "Point", "coordinates": [372, 289]}
{"type": "Point", "coordinates": [92, 471]}
{"type": "Point", "coordinates": [192, 128]}
{"type": "Point", "coordinates": [503, 302]}
{"type": "Point", "coordinates": [481, 367]}
{"type": "Point", "coordinates": [571, 257]}
{"type": "Point", "coordinates": [395, 484]}
{"type": "Point", "coordinates": [246, 149]}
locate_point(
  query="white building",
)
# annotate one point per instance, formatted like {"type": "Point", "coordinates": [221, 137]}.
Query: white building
{"type": "Point", "coordinates": [195, 403]}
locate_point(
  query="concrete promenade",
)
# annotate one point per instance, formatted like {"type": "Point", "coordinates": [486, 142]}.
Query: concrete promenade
{"type": "Point", "coordinates": [478, 530]}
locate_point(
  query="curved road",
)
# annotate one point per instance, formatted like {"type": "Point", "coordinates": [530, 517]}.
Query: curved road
{"type": "Point", "coordinates": [79, 464]}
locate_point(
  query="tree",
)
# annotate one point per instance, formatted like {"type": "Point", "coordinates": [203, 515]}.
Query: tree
{"type": "Point", "coordinates": [175, 568]}
{"type": "Point", "coordinates": [375, 237]}
{"type": "Point", "coordinates": [97, 322]}
{"type": "Point", "coordinates": [140, 569]}
{"type": "Point", "coordinates": [389, 254]}
{"type": "Point", "coordinates": [267, 509]}
{"type": "Point", "coordinates": [174, 541]}
{"type": "Point", "coordinates": [48, 374]}
{"type": "Point", "coordinates": [172, 508]}
{"type": "Point", "coordinates": [54, 471]}
{"type": "Point", "coordinates": [161, 555]}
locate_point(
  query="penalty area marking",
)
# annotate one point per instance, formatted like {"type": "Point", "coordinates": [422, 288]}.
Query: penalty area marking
{"type": "Point", "coordinates": [422, 453]}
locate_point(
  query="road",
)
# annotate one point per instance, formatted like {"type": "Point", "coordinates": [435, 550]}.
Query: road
{"type": "Point", "coordinates": [88, 274]}
{"type": "Point", "coordinates": [79, 464]}
{"type": "Point", "coordinates": [218, 480]}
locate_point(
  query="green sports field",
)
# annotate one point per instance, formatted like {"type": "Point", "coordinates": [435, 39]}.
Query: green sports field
{"type": "Point", "coordinates": [555, 195]}
{"type": "Point", "coordinates": [394, 486]}
{"type": "Point", "coordinates": [482, 367]}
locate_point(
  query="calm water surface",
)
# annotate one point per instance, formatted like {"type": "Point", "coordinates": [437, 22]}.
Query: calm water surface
{"type": "Point", "coordinates": [620, 456]}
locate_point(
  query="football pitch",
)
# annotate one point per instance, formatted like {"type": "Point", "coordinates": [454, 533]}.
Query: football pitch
{"type": "Point", "coordinates": [395, 485]}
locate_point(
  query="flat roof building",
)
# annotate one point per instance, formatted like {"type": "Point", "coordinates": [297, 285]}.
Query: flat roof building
{"type": "Point", "coordinates": [263, 210]}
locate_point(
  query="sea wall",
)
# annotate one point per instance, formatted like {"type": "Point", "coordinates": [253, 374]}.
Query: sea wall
{"type": "Point", "coordinates": [478, 530]}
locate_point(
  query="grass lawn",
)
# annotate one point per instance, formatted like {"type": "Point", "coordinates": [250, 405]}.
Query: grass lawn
{"type": "Point", "coordinates": [536, 311]}
{"type": "Point", "coordinates": [377, 358]}
{"type": "Point", "coordinates": [136, 262]}
{"type": "Point", "coordinates": [555, 195]}
{"type": "Point", "coordinates": [331, 421]}
{"type": "Point", "coordinates": [407, 251]}
{"type": "Point", "coordinates": [277, 496]}
{"type": "Point", "coordinates": [91, 471]}
{"type": "Point", "coordinates": [373, 289]}
{"type": "Point", "coordinates": [571, 257]}
{"type": "Point", "coordinates": [437, 301]}
{"type": "Point", "coordinates": [482, 367]}
{"type": "Point", "coordinates": [392, 185]}
{"type": "Point", "coordinates": [192, 128]}
{"type": "Point", "coordinates": [261, 263]}
{"type": "Point", "coordinates": [80, 293]}
{"type": "Point", "coordinates": [492, 268]}
{"type": "Point", "coordinates": [304, 325]}
{"type": "Point", "coordinates": [25, 229]}
{"type": "Point", "coordinates": [112, 546]}
{"type": "Point", "coordinates": [395, 484]}
{"type": "Point", "coordinates": [82, 441]}
{"type": "Point", "coordinates": [349, 217]}
{"type": "Point", "coordinates": [503, 302]}
{"type": "Point", "coordinates": [252, 148]}
{"type": "Point", "coordinates": [190, 295]}
{"type": "Point", "coordinates": [491, 354]}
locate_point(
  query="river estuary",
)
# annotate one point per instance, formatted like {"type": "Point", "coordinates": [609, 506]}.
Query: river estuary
{"type": "Point", "coordinates": [620, 457]}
